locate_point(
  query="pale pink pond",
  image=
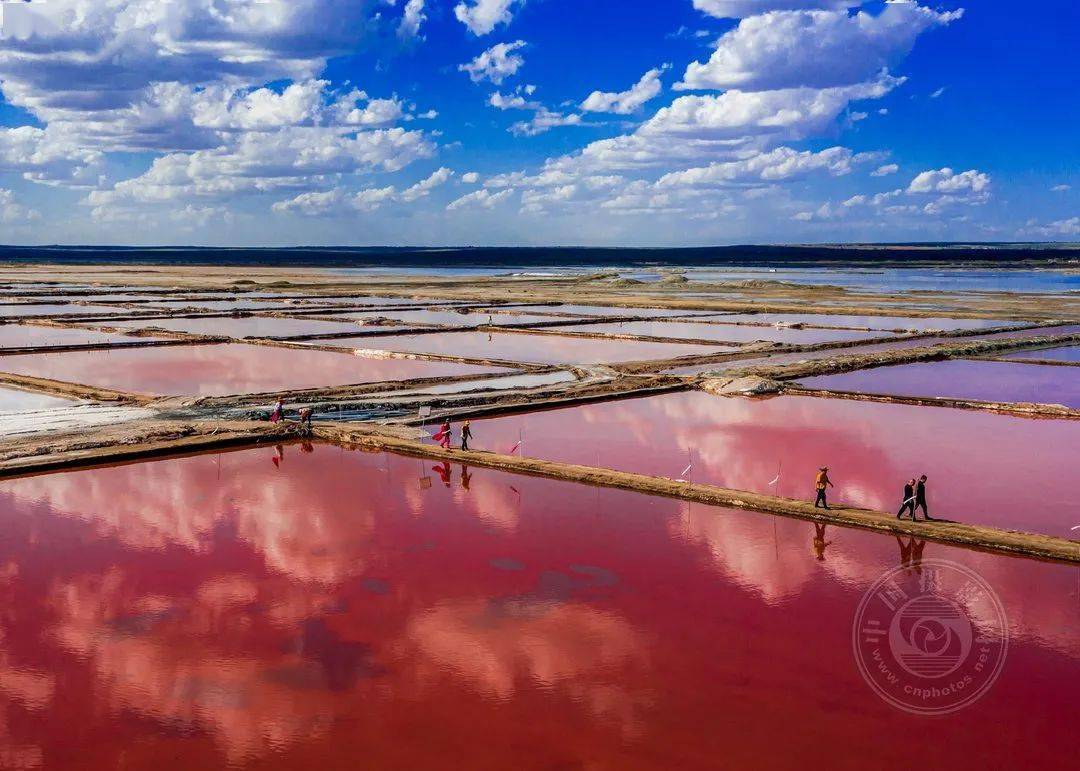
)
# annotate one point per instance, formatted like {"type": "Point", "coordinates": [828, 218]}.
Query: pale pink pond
{"type": "Point", "coordinates": [730, 333]}
{"type": "Point", "coordinates": [219, 305]}
{"type": "Point", "coordinates": [1068, 353]}
{"type": "Point", "coordinates": [611, 310]}
{"type": "Point", "coordinates": [792, 358]}
{"type": "Point", "coordinates": [991, 381]}
{"type": "Point", "coordinates": [450, 318]}
{"type": "Point", "coordinates": [57, 309]}
{"type": "Point", "coordinates": [942, 323]}
{"type": "Point", "coordinates": [246, 326]}
{"type": "Point", "coordinates": [537, 349]}
{"type": "Point", "coordinates": [228, 368]}
{"type": "Point", "coordinates": [28, 335]}
{"type": "Point", "coordinates": [983, 467]}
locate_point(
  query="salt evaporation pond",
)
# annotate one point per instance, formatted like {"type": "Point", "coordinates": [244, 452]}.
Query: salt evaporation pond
{"type": "Point", "coordinates": [991, 381]}
{"type": "Point", "coordinates": [16, 400]}
{"type": "Point", "coordinates": [611, 310]}
{"type": "Point", "coordinates": [57, 309]}
{"type": "Point", "coordinates": [534, 349]}
{"type": "Point", "coordinates": [219, 305]}
{"type": "Point", "coordinates": [244, 326]}
{"type": "Point", "coordinates": [227, 368]}
{"type": "Point", "coordinates": [918, 342]}
{"type": "Point", "coordinates": [450, 318]}
{"type": "Point", "coordinates": [983, 467]}
{"type": "Point", "coordinates": [727, 332]}
{"type": "Point", "coordinates": [942, 323]}
{"type": "Point", "coordinates": [29, 335]}
{"type": "Point", "coordinates": [1069, 353]}
{"type": "Point", "coordinates": [304, 607]}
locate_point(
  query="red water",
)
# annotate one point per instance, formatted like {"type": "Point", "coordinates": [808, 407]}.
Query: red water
{"type": "Point", "coordinates": [247, 326]}
{"type": "Point", "coordinates": [339, 610]}
{"type": "Point", "coordinates": [1070, 353]}
{"type": "Point", "coordinates": [14, 400]}
{"type": "Point", "coordinates": [27, 335]}
{"type": "Point", "coordinates": [537, 349]}
{"type": "Point", "coordinates": [873, 322]}
{"type": "Point", "coordinates": [228, 368]}
{"type": "Point", "coordinates": [730, 333]}
{"type": "Point", "coordinates": [993, 381]}
{"type": "Point", "coordinates": [977, 473]}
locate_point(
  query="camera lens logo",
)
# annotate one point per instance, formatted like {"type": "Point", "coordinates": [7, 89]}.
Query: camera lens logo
{"type": "Point", "coordinates": [930, 639]}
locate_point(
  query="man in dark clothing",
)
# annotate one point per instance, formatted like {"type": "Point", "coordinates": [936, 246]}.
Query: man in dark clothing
{"type": "Point", "coordinates": [920, 499]}
{"type": "Point", "coordinates": [908, 501]}
{"type": "Point", "coordinates": [466, 435]}
{"type": "Point", "coordinates": [821, 482]}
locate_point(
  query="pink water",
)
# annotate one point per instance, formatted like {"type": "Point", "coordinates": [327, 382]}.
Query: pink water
{"type": "Point", "coordinates": [1069, 353]}
{"type": "Point", "coordinates": [57, 309]}
{"type": "Point", "coordinates": [538, 349]}
{"type": "Point", "coordinates": [27, 335]}
{"type": "Point", "coordinates": [729, 333]}
{"type": "Point", "coordinates": [993, 381]}
{"type": "Point", "coordinates": [247, 326]}
{"type": "Point", "coordinates": [228, 368]}
{"type": "Point", "coordinates": [977, 472]}
{"type": "Point", "coordinates": [611, 310]}
{"type": "Point", "coordinates": [450, 318]}
{"type": "Point", "coordinates": [285, 609]}
{"type": "Point", "coordinates": [942, 323]}
{"type": "Point", "coordinates": [793, 358]}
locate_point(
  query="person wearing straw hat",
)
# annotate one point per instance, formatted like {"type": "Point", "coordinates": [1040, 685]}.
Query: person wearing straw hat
{"type": "Point", "coordinates": [821, 482]}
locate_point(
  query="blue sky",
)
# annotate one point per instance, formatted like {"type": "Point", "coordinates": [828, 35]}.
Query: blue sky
{"type": "Point", "coordinates": [528, 122]}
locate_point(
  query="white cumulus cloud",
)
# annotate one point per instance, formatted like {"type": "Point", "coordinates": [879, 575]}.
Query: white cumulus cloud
{"type": "Point", "coordinates": [625, 102]}
{"type": "Point", "coordinates": [482, 16]}
{"type": "Point", "coordinates": [821, 49]}
{"type": "Point", "coordinates": [495, 64]}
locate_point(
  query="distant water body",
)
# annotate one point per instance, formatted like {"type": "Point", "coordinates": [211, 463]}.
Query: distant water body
{"type": "Point", "coordinates": [1040, 268]}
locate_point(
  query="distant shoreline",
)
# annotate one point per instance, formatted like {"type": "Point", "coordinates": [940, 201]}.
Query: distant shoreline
{"type": "Point", "coordinates": [914, 254]}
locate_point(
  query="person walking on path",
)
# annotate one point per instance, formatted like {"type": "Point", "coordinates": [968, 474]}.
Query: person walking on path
{"type": "Point", "coordinates": [821, 482]}
{"type": "Point", "coordinates": [466, 435]}
{"type": "Point", "coordinates": [920, 499]}
{"type": "Point", "coordinates": [443, 437]}
{"type": "Point", "coordinates": [908, 501]}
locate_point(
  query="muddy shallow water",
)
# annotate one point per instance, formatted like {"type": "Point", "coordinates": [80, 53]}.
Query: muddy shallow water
{"type": "Point", "coordinates": [536, 349]}
{"type": "Point", "coordinates": [977, 473]}
{"type": "Point", "coordinates": [303, 609]}
{"type": "Point", "coordinates": [228, 368]}
{"type": "Point", "coordinates": [994, 381]}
